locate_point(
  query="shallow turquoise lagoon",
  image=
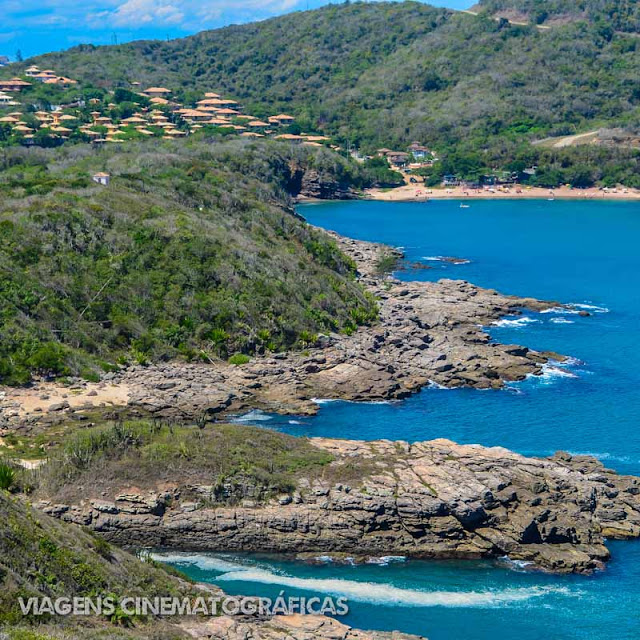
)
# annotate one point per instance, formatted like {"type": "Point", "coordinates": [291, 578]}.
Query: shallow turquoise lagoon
{"type": "Point", "coordinates": [584, 253]}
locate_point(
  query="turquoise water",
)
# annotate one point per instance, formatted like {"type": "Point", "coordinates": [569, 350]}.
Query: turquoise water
{"type": "Point", "coordinates": [585, 253]}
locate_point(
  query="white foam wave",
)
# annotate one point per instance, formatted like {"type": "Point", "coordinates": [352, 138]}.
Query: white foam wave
{"type": "Point", "coordinates": [445, 259]}
{"type": "Point", "coordinates": [376, 593]}
{"type": "Point", "coordinates": [321, 401]}
{"type": "Point", "coordinates": [204, 562]}
{"type": "Point", "coordinates": [594, 308]}
{"type": "Point", "coordinates": [385, 560]}
{"type": "Point", "coordinates": [370, 592]}
{"type": "Point", "coordinates": [514, 323]}
{"type": "Point", "coordinates": [558, 310]}
{"type": "Point", "coordinates": [435, 385]}
{"type": "Point", "coordinates": [518, 565]}
{"type": "Point", "coordinates": [576, 308]}
{"type": "Point", "coordinates": [551, 371]}
{"type": "Point", "coordinates": [569, 361]}
{"type": "Point", "coordinates": [561, 320]}
{"type": "Point", "coordinates": [253, 416]}
{"type": "Point", "coordinates": [603, 456]}
{"type": "Point", "coordinates": [294, 422]}
{"type": "Point", "coordinates": [326, 559]}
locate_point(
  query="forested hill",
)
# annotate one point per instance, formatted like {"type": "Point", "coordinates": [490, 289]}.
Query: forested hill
{"type": "Point", "coordinates": [191, 251]}
{"type": "Point", "coordinates": [389, 73]}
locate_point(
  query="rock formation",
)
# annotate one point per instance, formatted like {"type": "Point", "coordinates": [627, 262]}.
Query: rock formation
{"type": "Point", "coordinates": [428, 332]}
{"type": "Point", "coordinates": [432, 499]}
{"type": "Point", "coordinates": [292, 627]}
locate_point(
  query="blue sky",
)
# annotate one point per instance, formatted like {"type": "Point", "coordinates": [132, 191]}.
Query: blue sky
{"type": "Point", "coordinates": [38, 26]}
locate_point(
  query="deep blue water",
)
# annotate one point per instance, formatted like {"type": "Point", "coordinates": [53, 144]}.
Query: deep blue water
{"type": "Point", "coordinates": [586, 253]}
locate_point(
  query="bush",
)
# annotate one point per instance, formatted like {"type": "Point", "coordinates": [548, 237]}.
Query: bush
{"type": "Point", "coordinates": [188, 253]}
{"type": "Point", "coordinates": [7, 476]}
{"type": "Point", "coordinates": [239, 358]}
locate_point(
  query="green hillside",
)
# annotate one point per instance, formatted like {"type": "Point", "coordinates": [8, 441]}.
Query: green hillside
{"type": "Point", "coordinates": [42, 557]}
{"type": "Point", "coordinates": [192, 251]}
{"type": "Point", "coordinates": [389, 73]}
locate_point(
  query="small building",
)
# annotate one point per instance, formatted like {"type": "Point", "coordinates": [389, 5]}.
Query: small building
{"type": "Point", "coordinates": [15, 84]}
{"type": "Point", "coordinates": [450, 180]}
{"type": "Point", "coordinates": [399, 159]}
{"type": "Point", "coordinates": [418, 151]}
{"type": "Point", "coordinates": [60, 81]}
{"type": "Point", "coordinates": [156, 92]}
{"type": "Point", "coordinates": [101, 178]}
{"type": "Point", "coordinates": [290, 137]}
{"type": "Point", "coordinates": [6, 100]}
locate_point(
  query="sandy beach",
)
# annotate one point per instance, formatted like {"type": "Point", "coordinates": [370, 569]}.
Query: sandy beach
{"type": "Point", "coordinates": [419, 193]}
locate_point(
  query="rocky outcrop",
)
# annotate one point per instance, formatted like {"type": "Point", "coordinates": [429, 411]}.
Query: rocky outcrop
{"type": "Point", "coordinates": [432, 499]}
{"type": "Point", "coordinates": [318, 186]}
{"type": "Point", "coordinates": [292, 627]}
{"type": "Point", "coordinates": [428, 332]}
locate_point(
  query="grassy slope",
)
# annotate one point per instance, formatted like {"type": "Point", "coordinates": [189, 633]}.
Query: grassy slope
{"type": "Point", "coordinates": [385, 73]}
{"type": "Point", "coordinates": [239, 461]}
{"type": "Point", "coordinates": [192, 251]}
{"type": "Point", "coordinates": [40, 556]}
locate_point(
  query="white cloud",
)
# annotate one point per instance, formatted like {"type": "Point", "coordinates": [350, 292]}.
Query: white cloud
{"type": "Point", "coordinates": [179, 16]}
{"type": "Point", "coordinates": [188, 14]}
{"type": "Point", "coordinates": [145, 12]}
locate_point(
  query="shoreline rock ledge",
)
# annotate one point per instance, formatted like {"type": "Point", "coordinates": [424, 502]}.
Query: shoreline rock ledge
{"type": "Point", "coordinates": [428, 332]}
{"type": "Point", "coordinates": [435, 499]}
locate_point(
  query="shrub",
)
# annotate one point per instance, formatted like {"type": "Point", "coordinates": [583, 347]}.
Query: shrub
{"type": "Point", "coordinates": [239, 358]}
{"type": "Point", "coordinates": [7, 476]}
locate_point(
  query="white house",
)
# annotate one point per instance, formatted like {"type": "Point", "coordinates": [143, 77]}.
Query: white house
{"type": "Point", "coordinates": [101, 178]}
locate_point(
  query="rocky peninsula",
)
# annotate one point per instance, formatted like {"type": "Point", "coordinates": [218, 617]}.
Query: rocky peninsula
{"type": "Point", "coordinates": [428, 332]}
{"type": "Point", "coordinates": [433, 499]}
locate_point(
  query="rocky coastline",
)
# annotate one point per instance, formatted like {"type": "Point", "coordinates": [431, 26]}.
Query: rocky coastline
{"type": "Point", "coordinates": [291, 627]}
{"type": "Point", "coordinates": [428, 333]}
{"type": "Point", "coordinates": [435, 499]}
{"type": "Point", "coordinates": [430, 500]}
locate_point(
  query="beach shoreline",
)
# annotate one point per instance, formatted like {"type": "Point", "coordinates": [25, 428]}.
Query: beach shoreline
{"type": "Point", "coordinates": [419, 193]}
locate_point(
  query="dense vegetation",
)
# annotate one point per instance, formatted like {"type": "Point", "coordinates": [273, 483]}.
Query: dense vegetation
{"type": "Point", "coordinates": [192, 251]}
{"type": "Point", "coordinates": [385, 74]}
{"type": "Point", "coordinates": [43, 557]}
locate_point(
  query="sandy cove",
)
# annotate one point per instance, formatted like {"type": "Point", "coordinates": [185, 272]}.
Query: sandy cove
{"type": "Point", "coordinates": [420, 193]}
{"type": "Point", "coordinates": [429, 332]}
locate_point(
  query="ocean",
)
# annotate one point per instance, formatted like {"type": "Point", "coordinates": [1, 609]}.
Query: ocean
{"type": "Point", "coordinates": [586, 254]}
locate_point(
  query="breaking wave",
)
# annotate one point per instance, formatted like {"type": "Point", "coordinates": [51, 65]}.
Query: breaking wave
{"type": "Point", "coordinates": [514, 323]}
{"type": "Point", "coordinates": [575, 308]}
{"type": "Point", "coordinates": [456, 261]}
{"type": "Point", "coordinates": [253, 416]}
{"type": "Point", "coordinates": [369, 592]}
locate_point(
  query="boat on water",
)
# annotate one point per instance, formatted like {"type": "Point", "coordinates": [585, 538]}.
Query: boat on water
{"type": "Point", "coordinates": [465, 206]}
